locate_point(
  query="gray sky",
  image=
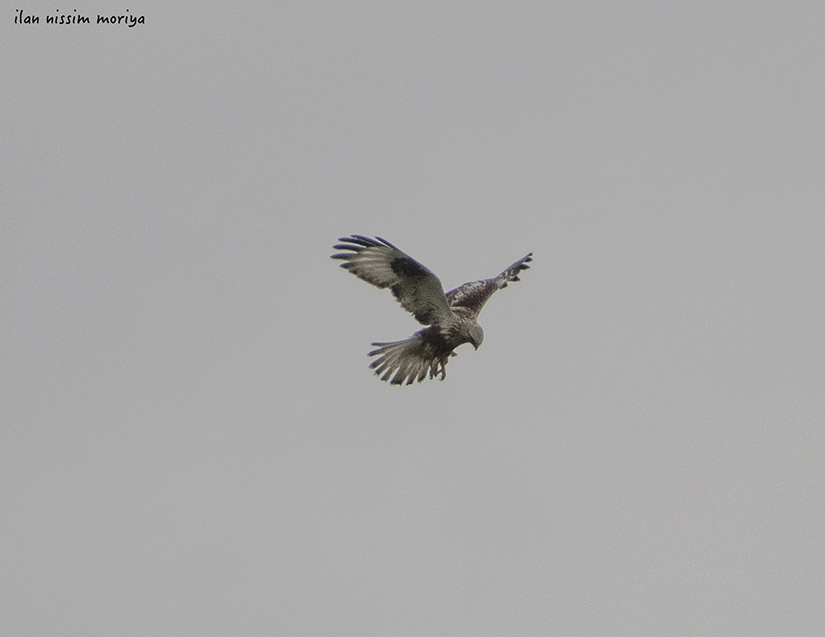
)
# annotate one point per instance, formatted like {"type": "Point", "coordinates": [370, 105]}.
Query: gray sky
{"type": "Point", "coordinates": [191, 440]}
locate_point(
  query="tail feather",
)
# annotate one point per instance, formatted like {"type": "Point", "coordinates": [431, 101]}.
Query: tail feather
{"type": "Point", "coordinates": [407, 361]}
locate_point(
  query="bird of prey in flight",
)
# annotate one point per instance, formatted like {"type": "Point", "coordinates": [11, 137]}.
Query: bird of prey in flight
{"type": "Point", "coordinates": [451, 317]}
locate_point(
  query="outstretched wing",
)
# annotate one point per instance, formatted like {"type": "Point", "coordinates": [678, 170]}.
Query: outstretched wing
{"type": "Point", "coordinates": [380, 263]}
{"type": "Point", "coordinates": [474, 295]}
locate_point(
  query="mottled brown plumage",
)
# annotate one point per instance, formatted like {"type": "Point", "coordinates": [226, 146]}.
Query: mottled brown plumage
{"type": "Point", "coordinates": [451, 317]}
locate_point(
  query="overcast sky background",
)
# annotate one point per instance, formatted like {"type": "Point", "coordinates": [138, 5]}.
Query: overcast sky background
{"type": "Point", "coordinates": [191, 439]}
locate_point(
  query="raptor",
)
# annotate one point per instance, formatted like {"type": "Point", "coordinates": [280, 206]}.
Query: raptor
{"type": "Point", "coordinates": [452, 318]}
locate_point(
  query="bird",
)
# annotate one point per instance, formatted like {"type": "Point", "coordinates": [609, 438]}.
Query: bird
{"type": "Point", "coordinates": [451, 318]}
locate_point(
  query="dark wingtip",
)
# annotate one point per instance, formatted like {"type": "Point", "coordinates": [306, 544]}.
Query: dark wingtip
{"type": "Point", "coordinates": [357, 242]}
{"type": "Point", "coordinates": [385, 242]}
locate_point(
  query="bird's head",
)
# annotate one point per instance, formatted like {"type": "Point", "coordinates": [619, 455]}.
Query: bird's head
{"type": "Point", "coordinates": [476, 335]}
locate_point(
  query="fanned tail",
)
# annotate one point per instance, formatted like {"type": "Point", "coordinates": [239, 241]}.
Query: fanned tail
{"type": "Point", "coordinates": [407, 361]}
